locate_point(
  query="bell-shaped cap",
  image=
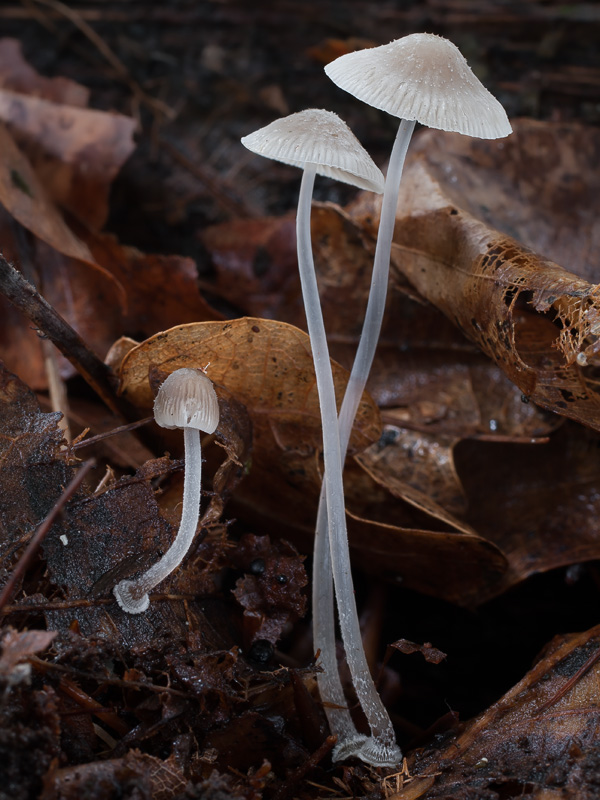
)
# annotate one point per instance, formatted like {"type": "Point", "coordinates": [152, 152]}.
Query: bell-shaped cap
{"type": "Point", "coordinates": [423, 77]}
{"type": "Point", "coordinates": [187, 399]}
{"type": "Point", "coordinates": [320, 138]}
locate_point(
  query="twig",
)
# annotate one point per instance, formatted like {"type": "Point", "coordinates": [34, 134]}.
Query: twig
{"type": "Point", "coordinates": [42, 531]}
{"type": "Point", "coordinates": [28, 300]}
{"type": "Point", "coordinates": [91, 706]}
{"type": "Point", "coordinates": [114, 432]}
{"type": "Point", "coordinates": [83, 602]}
{"type": "Point", "coordinates": [47, 666]}
{"type": "Point", "coordinates": [592, 660]}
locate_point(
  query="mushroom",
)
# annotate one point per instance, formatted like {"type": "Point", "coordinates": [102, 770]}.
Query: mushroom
{"type": "Point", "coordinates": [423, 78]}
{"type": "Point", "coordinates": [186, 400]}
{"type": "Point", "coordinates": [320, 142]}
{"type": "Point", "coordinates": [419, 78]}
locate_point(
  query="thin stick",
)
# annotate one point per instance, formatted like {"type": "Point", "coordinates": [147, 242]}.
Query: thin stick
{"type": "Point", "coordinates": [131, 426]}
{"type": "Point", "coordinates": [67, 605]}
{"type": "Point", "coordinates": [591, 661]}
{"type": "Point", "coordinates": [28, 300]}
{"type": "Point", "coordinates": [42, 531]}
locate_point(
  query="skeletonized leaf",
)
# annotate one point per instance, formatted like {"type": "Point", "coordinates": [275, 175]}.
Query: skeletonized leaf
{"type": "Point", "coordinates": [538, 321]}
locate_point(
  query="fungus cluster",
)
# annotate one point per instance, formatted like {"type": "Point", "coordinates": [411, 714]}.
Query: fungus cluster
{"type": "Point", "coordinates": [420, 78]}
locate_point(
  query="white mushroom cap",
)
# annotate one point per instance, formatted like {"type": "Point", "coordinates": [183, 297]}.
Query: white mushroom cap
{"type": "Point", "coordinates": [187, 399]}
{"type": "Point", "coordinates": [322, 139]}
{"type": "Point", "coordinates": [423, 77]}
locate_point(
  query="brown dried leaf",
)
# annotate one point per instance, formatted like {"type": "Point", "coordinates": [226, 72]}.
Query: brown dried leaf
{"type": "Point", "coordinates": [419, 468]}
{"type": "Point", "coordinates": [426, 375]}
{"type": "Point", "coordinates": [430, 653]}
{"type": "Point", "coordinates": [460, 567]}
{"type": "Point", "coordinates": [32, 473]}
{"type": "Point", "coordinates": [75, 152]}
{"type": "Point", "coordinates": [539, 505]}
{"type": "Point", "coordinates": [540, 738]}
{"type": "Point", "coordinates": [17, 645]}
{"type": "Point", "coordinates": [268, 367]}
{"type": "Point", "coordinates": [256, 266]}
{"type": "Point", "coordinates": [18, 76]}
{"type": "Point", "coordinates": [161, 291]}
{"type": "Point", "coordinates": [257, 269]}
{"type": "Point", "coordinates": [85, 294]}
{"type": "Point", "coordinates": [532, 317]}
{"type": "Point", "coordinates": [22, 194]}
{"type": "Point", "coordinates": [137, 775]}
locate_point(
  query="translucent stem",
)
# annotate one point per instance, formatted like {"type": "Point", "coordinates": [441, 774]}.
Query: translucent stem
{"type": "Point", "coordinates": [132, 596]}
{"type": "Point", "coordinates": [323, 608]}
{"type": "Point", "coordinates": [338, 539]}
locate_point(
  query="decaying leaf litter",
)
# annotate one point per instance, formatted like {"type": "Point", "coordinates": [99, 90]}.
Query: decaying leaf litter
{"type": "Point", "coordinates": [100, 691]}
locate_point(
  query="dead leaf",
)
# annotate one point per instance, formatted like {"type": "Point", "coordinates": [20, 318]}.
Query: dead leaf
{"type": "Point", "coordinates": [160, 291]}
{"type": "Point", "coordinates": [426, 375]}
{"type": "Point", "coordinates": [23, 196]}
{"type": "Point", "coordinates": [531, 316]}
{"type": "Point", "coordinates": [75, 152]}
{"type": "Point", "coordinates": [430, 653]}
{"type": "Point", "coordinates": [540, 737]}
{"type": "Point", "coordinates": [268, 367]}
{"type": "Point", "coordinates": [33, 473]}
{"type": "Point", "coordinates": [136, 774]}
{"type": "Point", "coordinates": [17, 75]}
{"type": "Point", "coordinates": [85, 294]}
{"type": "Point", "coordinates": [256, 266]}
{"type": "Point", "coordinates": [17, 645]}
{"type": "Point", "coordinates": [462, 568]}
{"type": "Point", "coordinates": [417, 467]}
{"type": "Point", "coordinates": [529, 501]}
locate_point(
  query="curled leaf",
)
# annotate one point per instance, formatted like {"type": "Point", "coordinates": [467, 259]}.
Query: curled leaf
{"type": "Point", "coordinates": [535, 319]}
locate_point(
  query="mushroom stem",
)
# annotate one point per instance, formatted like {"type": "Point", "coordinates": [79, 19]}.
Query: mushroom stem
{"type": "Point", "coordinates": [132, 596]}
{"type": "Point", "coordinates": [382, 748]}
{"type": "Point", "coordinates": [323, 611]}
{"type": "Point", "coordinates": [379, 284]}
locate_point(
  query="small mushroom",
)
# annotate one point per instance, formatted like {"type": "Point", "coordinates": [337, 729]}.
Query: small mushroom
{"type": "Point", "coordinates": [186, 400]}
{"type": "Point", "coordinates": [319, 142]}
{"type": "Point", "coordinates": [424, 78]}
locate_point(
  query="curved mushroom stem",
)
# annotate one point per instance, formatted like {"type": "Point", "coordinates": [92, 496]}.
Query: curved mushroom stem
{"type": "Point", "coordinates": [383, 734]}
{"type": "Point", "coordinates": [323, 610]}
{"type": "Point", "coordinates": [132, 596]}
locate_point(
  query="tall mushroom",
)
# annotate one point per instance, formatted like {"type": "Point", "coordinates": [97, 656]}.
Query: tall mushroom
{"type": "Point", "coordinates": [186, 400]}
{"type": "Point", "coordinates": [419, 78]}
{"type": "Point", "coordinates": [319, 142]}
